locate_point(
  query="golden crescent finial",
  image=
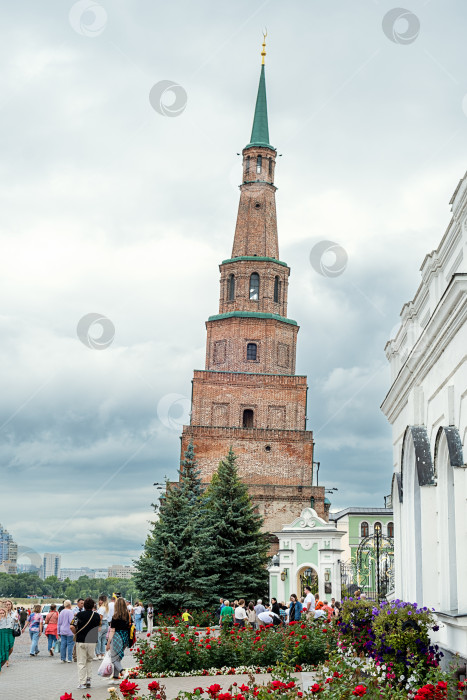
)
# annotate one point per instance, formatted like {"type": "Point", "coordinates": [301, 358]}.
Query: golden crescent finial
{"type": "Point", "coordinates": [263, 52]}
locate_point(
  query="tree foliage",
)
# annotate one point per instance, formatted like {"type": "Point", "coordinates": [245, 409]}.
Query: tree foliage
{"type": "Point", "coordinates": [204, 543]}
{"type": "Point", "coordinates": [29, 584]}
{"type": "Point", "coordinates": [175, 567]}
{"type": "Point", "coordinates": [242, 548]}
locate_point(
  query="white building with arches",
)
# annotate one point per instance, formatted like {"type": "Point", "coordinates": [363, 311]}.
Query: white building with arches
{"type": "Point", "coordinates": [309, 553]}
{"type": "Point", "coordinates": [427, 408]}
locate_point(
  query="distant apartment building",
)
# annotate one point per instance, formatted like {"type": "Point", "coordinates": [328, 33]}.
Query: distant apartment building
{"type": "Point", "coordinates": [51, 565]}
{"type": "Point", "coordinates": [8, 552]}
{"type": "Point", "coordinates": [119, 571]}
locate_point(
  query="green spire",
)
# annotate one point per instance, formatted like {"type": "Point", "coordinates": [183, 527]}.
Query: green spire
{"type": "Point", "coordinates": [260, 130]}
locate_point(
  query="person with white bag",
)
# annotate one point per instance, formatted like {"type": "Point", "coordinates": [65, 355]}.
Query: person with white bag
{"type": "Point", "coordinates": [119, 638]}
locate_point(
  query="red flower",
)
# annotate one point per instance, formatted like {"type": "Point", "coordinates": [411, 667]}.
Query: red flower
{"type": "Point", "coordinates": [213, 689]}
{"type": "Point", "coordinates": [359, 691]}
{"type": "Point", "coordinates": [67, 696]}
{"type": "Point", "coordinates": [244, 688]}
{"type": "Point", "coordinates": [128, 689]}
{"type": "Point", "coordinates": [316, 688]}
{"type": "Point", "coordinates": [208, 646]}
{"type": "Point", "coordinates": [148, 634]}
{"type": "Point", "coordinates": [224, 696]}
{"type": "Point", "coordinates": [154, 686]}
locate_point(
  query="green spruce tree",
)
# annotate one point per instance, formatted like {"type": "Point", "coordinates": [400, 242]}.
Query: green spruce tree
{"type": "Point", "coordinates": [242, 548]}
{"type": "Point", "coordinates": [175, 569]}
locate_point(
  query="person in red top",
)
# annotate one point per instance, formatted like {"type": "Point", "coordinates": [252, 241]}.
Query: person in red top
{"type": "Point", "coordinates": [328, 609]}
{"type": "Point", "coordinates": [51, 630]}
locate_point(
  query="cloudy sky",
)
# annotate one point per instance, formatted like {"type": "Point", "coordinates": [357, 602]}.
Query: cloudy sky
{"type": "Point", "coordinates": [111, 207]}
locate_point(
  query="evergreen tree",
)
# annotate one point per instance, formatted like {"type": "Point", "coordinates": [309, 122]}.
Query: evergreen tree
{"type": "Point", "coordinates": [242, 549]}
{"type": "Point", "coordinates": [175, 568]}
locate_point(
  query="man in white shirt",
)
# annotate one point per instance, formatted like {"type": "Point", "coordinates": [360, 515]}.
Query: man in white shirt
{"type": "Point", "coordinates": [269, 618]}
{"type": "Point", "coordinates": [309, 603]}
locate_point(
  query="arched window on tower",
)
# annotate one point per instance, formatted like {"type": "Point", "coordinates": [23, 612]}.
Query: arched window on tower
{"type": "Point", "coordinates": [259, 164]}
{"type": "Point", "coordinates": [277, 289]}
{"type": "Point", "coordinates": [364, 530]}
{"type": "Point", "coordinates": [248, 417]}
{"type": "Point", "coordinates": [251, 351]}
{"type": "Point", "coordinates": [377, 528]}
{"type": "Point", "coordinates": [270, 167]}
{"type": "Point", "coordinates": [254, 286]}
{"type": "Point", "coordinates": [390, 529]}
{"type": "Point", "coordinates": [247, 167]}
{"type": "Point", "coordinates": [231, 293]}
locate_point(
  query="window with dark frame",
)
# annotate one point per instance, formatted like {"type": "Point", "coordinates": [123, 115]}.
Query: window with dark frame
{"type": "Point", "coordinates": [254, 286]}
{"type": "Point", "coordinates": [251, 351]}
{"type": "Point", "coordinates": [231, 287]}
{"type": "Point", "coordinates": [364, 530]}
{"type": "Point", "coordinates": [390, 529]}
{"type": "Point", "coordinates": [270, 167]}
{"type": "Point", "coordinates": [247, 169]}
{"type": "Point", "coordinates": [259, 164]}
{"type": "Point", "coordinates": [277, 288]}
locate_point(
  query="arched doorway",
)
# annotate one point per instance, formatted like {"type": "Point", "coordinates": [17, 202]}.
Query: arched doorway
{"type": "Point", "coordinates": [307, 576]}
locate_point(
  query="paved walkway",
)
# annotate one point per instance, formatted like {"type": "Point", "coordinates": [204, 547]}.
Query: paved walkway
{"type": "Point", "coordinates": [46, 678]}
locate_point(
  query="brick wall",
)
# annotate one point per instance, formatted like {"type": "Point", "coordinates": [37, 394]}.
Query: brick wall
{"type": "Point", "coordinates": [264, 456]}
{"type": "Point", "coordinates": [269, 396]}
{"type": "Point", "coordinates": [227, 340]}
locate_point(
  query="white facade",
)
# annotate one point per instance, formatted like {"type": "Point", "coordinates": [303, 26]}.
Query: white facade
{"type": "Point", "coordinates": [309, 543]}
{"type": "Point", "coordinates": [121, 571]}
{"type": "Point", "coordinates": [427, 408]}
{"type": "Point", "coordinates": [51, 563]}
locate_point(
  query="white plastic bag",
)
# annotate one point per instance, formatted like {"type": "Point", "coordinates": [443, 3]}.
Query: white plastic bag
{"type": "Point", "coordinates": [106, 668]}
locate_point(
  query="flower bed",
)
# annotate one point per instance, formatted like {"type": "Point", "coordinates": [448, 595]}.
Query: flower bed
{"type": "Point", "coordinates": [189, 650]}
{"type": "Point", "coordinates": [394, 635]}
{"type": "Point", "coordinates": [138, 674]}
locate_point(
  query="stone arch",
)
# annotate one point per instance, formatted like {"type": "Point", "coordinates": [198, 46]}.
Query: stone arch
{"type": "Point", "coordinates": [447, 455]}
{"type": "Point", "coordinates": [302, 576]}
{"type": "Point", "coordinates": [416, 464]}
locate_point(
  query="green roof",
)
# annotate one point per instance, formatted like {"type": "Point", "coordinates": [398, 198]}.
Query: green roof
{"type": "Point", "coordinates": [261, 258]}
{"type": "Point", "coordinates": [260, 130]}
{"type": "Point", "coordinates": [252, 314]}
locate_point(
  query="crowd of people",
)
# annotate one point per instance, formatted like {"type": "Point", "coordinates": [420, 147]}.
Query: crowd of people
{"type": "Point", "coordinates": [82, 633]}
{"type": "Point", "coordinates": [254, 615]}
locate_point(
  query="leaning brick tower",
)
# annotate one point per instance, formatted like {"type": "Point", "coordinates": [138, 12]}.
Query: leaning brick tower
{"type": "Point", "coordinates": [248, 395]}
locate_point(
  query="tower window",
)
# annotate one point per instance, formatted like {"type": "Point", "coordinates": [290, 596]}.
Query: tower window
{"type": "Point", "coordinates": [364, 530]}
{"type": "Point", "coordinates": [231, 285]}
{"type": "Point", "coordinates": [247, 167]}
{"type": "Point", "coordinates": [254, 286]}
{"type": "Point", "coordinates": [251, 351]}
{"type": "Point", "coordinates": [277, 289]}
{"type": "Point", "coordinates": [270, 167]}
{"type": "Point", "coordinates": [248, 418]}
{"type": "Point", "coordinates": [390, 529]}
{"type": "Point", "coordinates": [378, 528]}
{"type": "Point", "coordinates": [259, 164]}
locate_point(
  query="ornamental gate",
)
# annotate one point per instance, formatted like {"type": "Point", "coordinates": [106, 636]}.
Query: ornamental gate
{"type": "Point", "coordinates": [372, 569]}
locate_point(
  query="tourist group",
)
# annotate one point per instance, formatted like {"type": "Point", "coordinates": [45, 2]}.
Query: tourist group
{"type": "Point", "coordinates": [83, 633]}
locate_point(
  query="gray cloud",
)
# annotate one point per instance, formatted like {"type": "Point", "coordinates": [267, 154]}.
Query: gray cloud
{"type": "Point", "coordinates": [109, 207]}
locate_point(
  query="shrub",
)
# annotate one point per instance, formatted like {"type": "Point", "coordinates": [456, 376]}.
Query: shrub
{"type": "Point", "coordinates": [187, 649]}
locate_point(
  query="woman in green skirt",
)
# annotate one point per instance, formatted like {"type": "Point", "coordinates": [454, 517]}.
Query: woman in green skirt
{"type": "Point", "coordinates": [12, 620]}
{"type": "Point", "coordinates": [5, 638]}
